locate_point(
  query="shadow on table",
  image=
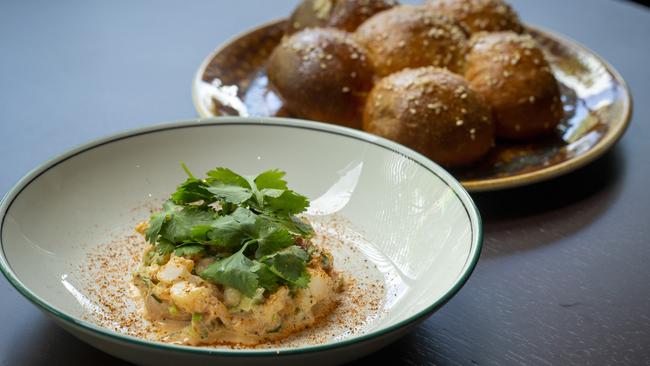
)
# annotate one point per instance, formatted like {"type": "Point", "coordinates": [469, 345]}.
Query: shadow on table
{"type": "Point", "coordinates": [53, 346]}
{"type": "Point", "coordinates": [555, 208]}
{"type": "Point", "coordinates": [401, 352]}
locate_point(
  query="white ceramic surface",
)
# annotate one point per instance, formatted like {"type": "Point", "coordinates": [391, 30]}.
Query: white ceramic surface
{"type": "Point", "coordinates": [415, 216]}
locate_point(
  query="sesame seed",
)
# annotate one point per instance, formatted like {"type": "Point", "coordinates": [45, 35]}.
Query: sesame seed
{"type": "Point", "coordinates": [460, 122]}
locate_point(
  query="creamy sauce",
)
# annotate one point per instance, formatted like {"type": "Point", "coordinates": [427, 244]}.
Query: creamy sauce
{"type": "Point", "coordinates": [371, 286]}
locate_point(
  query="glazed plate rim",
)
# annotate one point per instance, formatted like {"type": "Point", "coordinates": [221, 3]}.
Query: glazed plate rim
{"type": "Point", "coordinates": [363, 137]}
{"type": "Point", "coordinates": [492, 184]}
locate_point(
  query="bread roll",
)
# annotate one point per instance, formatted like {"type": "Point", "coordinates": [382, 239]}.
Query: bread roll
{"type": "Point", "coordinates": [480, 15]}
{"type": "Point", "coordinates": [321, 74]}
{"type": "Point", "coordinates": [432, 111]}
{"type": "Point", "coordinates": [510, 71]}
{"type": "Point", "coordinates": [410, 37]}
{"type": "Point", "coordinates": [341, 14]}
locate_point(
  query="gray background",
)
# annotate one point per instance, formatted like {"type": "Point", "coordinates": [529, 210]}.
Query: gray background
{"type": "Point", "coordinates": [564, 276]}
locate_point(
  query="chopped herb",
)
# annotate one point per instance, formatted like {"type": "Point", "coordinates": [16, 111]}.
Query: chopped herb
{"type": "Point", "coordinates": [196, 317]}
{"type": "Point", "coordinates": [173, 310]}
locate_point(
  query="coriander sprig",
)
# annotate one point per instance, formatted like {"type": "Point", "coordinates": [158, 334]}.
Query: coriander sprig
{"type": "Point", "coordinates": [247, 223]}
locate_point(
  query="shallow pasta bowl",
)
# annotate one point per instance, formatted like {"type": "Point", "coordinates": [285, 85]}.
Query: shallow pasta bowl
{"type": "Point", "coordinates": [419, 225]}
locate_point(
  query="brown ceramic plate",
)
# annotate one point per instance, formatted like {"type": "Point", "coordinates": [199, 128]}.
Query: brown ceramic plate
{"type": "Point", "coordinates": [597, 105]}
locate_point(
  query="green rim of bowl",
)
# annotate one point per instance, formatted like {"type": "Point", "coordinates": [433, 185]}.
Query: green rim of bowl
{"type": "Point", "coordinates": [454, 185]}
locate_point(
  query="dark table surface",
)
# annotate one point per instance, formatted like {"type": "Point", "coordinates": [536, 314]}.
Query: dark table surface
{"type": "Point", "coordinates": [564, 277]}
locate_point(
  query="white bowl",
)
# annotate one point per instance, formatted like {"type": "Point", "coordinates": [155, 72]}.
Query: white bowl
{"type": "Point", "coordinates": [416, 219]}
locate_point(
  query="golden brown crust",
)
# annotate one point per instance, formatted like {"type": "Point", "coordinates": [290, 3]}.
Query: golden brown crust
{"type": "Point", "coordinates": [480, 15]}
{"type": "Point", "coordinates": [322, 74]}
{"type": "Point", "coordinates": [510, 71]}
{"type": "Point", "coordinates": [410, 37]}
{"type": "Point", "coordinates": [432, 111]}
{"type": "Point", "coordinates": [341, 14]}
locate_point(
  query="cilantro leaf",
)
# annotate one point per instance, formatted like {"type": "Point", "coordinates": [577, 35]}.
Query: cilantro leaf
{"type": "Point", "coordinates": [289, 202]}
{"type": "Point", "coordinates": [267, 279]}
{"type": "Point", "coordinates": [271, 179]}
{"type": "Point", "coordinates": [157, 221]}
{"type": "Point", "coordinates": [243, 225]}
{"type": "Point", "coordinates": [155, 225]}
{"type": "Point", "coordinates": [235, 271]}
{"type": "Point", "coordinates": [226, 232]}
{"type": "Point", "coordinates": [280, 197]}
{"type": "Point", "coordinates": [274, 193]}
{"type": "Point", "coordinates": [245, 217]}
{"type": "Point", "coordinates": [230, 192]}
{"type": "Point", "coordinates": [160, 253]}
{"type": "Point", "coordinates": [199, 233]}
{"type": "Point", "coordinates": [190, 251]}
{"type": "Point", "coordinates": [292, 223]}
{"type": "Point", "coordinates": [229, 231]}
{"type": "Point", "coordinates": [227, 177]}
{"type": "Point", "coordinates": [271, 238]}
{"type": "Point", "coordinates": [178, 227]}
{"type": "Point", "coordinates": [302, 227]}
{"type": "Point", "coordinates": [163, 247]}
{"type": "Point", "coordinates": [290, 264]}
{"type": "Point", "coordinates": [192, 190]}
{"type": "Point", "coordinates": [228, 186]}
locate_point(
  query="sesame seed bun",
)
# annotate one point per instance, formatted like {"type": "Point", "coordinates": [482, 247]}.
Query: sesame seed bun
{"type": "Point", "coordinates": [341, 14]}
{"type": "Point", "coordinates": [510, 71]}
{"type": "Point", "coordinates": [479, 15]}
{"type": "Point", "coordinates": [432, 111]}
{"type": "Point", "coordinates": [321, 74]}
{"type": "Point", "coordinates": [412, 36]}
